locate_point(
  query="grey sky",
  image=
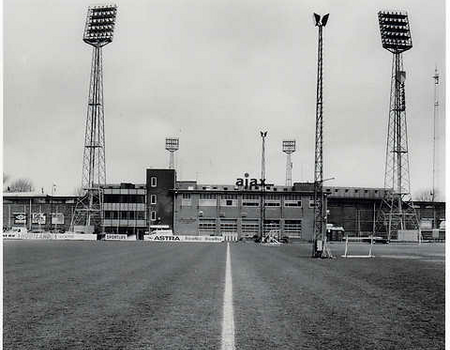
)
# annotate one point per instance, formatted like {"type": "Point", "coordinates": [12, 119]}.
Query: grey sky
{"type": "Point", "coordinates": [214, 73]}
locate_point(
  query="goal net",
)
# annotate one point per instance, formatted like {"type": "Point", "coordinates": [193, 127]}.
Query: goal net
{"type": "Point", "coordinates": [349, 241]}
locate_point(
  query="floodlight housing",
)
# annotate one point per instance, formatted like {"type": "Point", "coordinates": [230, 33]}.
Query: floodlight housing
{"type": "Point", "coordinates": [172, 144]}
{"type": "Point", "coordinates": [395, 31]}
{"type": "Point", "coordinates": [320, 21]}
{"type": "Point", "coordinates": [100, 22]}
{"type": "Point", "coordinates": [288, 146]}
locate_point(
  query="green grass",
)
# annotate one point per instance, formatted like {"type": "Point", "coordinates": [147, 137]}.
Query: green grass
{"type": "Point", "coordinates": [142, 295]}
{"type": "Point", "coordinates": [118, 295]}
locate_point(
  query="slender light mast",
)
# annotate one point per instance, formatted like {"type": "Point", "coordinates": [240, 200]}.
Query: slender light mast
{"type": "Point", "coordinates": [263, 187]}
{"type": "Point", "coordinates": [435, 116]}
{"type": "Point", "coordinates": [320, 249]}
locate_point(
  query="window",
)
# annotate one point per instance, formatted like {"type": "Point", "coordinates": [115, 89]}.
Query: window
{"type": "Point", "coordinates": [293, 228]}
{"type": "Point", "coordinates": [186, 200]}
{"type": "Point", "coordinates": [272, 200]}
{"type": "Point", "coordinates": [207, 226]}
{"type": "Point", "coordinates": [293, 200]}
{"type": "Point", "coordinates": [153, 181]}
{"type": "Point", "coordinates": [207, 200]}
{"type": "Point", "coordinates": [250, 200]}
{"type": "Point", "coordinates": [153, 199]}
{"type": "Point", "coordinates": [272, 226]}
{"type": "Point", "coordinates": [228, 200]}
{"type": "Point", "coordinates": [153, 216]}
{"type": "Point", "coordinates": [311, 201]}
{"type": "Point", "coordinates": [250, 227]}
{"type": "Point", "coordinates": [228, 225]}
{"type": "Point", "coordinates": [207, 196]}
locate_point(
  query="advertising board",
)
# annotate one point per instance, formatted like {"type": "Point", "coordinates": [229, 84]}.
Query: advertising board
{"type": "Point", "coordinates": [20, 218]}
{"type": "Point", "coordinates": [192, 239]}
{"type": "Point", "coordinates": [116, 237]}
{"type": "Point", "coordinates": [38, 218]}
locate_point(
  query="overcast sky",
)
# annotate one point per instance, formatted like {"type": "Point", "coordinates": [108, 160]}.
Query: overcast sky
{"type": "Point", "coordinates": [215, 73]}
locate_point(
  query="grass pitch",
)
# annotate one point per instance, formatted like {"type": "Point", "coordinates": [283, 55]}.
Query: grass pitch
{"type": "Point", "coordinates": [143, 295]}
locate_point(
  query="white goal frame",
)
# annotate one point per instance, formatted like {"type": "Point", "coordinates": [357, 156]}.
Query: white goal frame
{"type": "Point", "coordinates": [347, 239]}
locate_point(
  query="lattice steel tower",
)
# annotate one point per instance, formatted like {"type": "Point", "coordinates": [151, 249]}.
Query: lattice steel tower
{"type": "Point", "coordinates": [288, 148]}
{"type": "Point", "coordinates": [320, 249]}
{"type": "Point", "coordinates": [397, 211]}
{"type": "Point", "coordinates": [99, 31]}
{"type": "Point", "coordinates": [172, 145]}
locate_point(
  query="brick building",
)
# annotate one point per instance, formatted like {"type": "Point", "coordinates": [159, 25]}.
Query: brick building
{"type": "Point", "coordinates": [189, 208]}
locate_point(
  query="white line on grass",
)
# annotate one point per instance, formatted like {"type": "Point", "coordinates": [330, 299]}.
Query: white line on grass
{"type": "Point", "coordinates": [228, 313]}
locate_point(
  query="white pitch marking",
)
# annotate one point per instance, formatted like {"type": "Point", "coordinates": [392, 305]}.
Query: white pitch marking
{"type": "Point", "coordinates": [228, 313]}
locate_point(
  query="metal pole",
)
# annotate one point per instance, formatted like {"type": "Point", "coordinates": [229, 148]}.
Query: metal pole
{"type": "Point", "coordinates": [29, 224]}
{"type": "Point", "coordinates": [435, 115]}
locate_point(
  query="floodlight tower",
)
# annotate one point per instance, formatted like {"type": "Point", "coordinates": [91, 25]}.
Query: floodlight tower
{"type": "Point", "coordinates": [320, 249]}
{"type": "Point", "coordinates": [172, 145]}
{"type": "Point", "coordinates": [397, 211]}
{"type": "Point", "coordinates": [288, 148]}
{"type": "Point", "coordinates": [98, 32]}
{"type": "Point", "coordinates": [263, 178]}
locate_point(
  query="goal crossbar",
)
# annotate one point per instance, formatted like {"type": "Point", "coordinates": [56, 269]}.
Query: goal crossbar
{"type": "Point", "coordinates": [359, 239]}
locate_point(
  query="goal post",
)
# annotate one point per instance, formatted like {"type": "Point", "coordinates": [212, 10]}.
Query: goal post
{"type": "Point", "coordinates": [358, 240]}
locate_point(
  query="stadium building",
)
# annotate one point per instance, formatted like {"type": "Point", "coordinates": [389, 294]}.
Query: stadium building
{"type": "Point", "coordinates": [190, 208]}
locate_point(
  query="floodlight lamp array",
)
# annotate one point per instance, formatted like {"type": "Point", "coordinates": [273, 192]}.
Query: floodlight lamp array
{"type": "Point", "coordinates": [172, 144]}
{"type": "Point", "coordinates": [100, 23]}
{"type": "Point", "coordinates": [289, 146]}
{"type": "Point", "coordinates": [395, 31]}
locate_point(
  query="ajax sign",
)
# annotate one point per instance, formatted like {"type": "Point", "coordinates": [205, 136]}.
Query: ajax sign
{"type": "Point", "coordinates": [247, 183]}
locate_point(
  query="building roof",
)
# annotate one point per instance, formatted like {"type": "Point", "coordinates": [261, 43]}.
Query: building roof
{"type": "Point", "coordinates": [36, 195]}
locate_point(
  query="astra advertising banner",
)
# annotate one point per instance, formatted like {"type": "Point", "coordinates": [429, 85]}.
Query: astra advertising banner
{"type": "Point", "coordinates": [20, 218]}
{"type": "Point", "coordinates": [38, 218]}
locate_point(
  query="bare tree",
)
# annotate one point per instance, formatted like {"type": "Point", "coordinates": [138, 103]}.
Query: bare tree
{"type": "Point", "coordinates": [21, 185]}
{"type": "Point", "coordinates": [5, 178]}
{"type": "Point", "coordinates": [426, 195]}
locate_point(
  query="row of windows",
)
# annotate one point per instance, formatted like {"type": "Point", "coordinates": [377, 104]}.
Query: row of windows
{"type": "Point", "coordinates": [123, 198]}
{"type": "Point", "coordinates": [124, 215]}
{"type": "Point", "coordinates": [255, 197]}
{"type": "Point", "coordinates": [233, 203]}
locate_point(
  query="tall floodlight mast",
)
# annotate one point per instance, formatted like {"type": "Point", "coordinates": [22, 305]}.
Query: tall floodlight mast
{"type": "Point", "coordinates": [98, 32]}
{"type": "Point", "coordinates": [172, 145]}
{"type": "Point", "coordinates": [435, 116]}
{"type": "Point", "coordinates": [320, 249]}
{"type": "Point", "coordinates": [263, 179]}
{"type": "Point", "coordinates": [397, 211]}
{"type": "Point", "coordinates": [288, 148]}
